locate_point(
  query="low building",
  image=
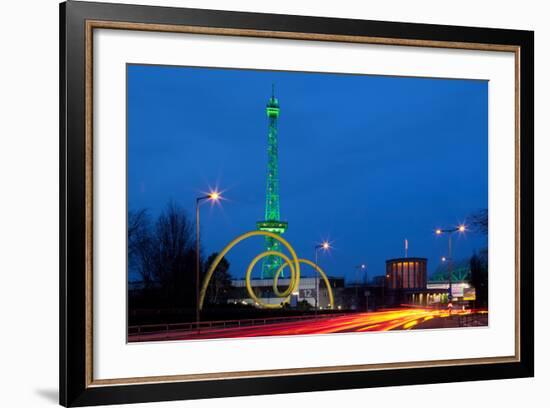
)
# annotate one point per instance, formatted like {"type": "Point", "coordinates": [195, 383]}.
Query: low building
{"type": "Point", "coordinates": [307, 291]}
{"type": "Point", "coordinates": [436, 294]}
{"type": "Point", "coordinates": [462, 290]}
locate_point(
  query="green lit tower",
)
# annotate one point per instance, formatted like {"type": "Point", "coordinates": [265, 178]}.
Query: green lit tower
{"type": "Point", "coordinates": [272, 220]}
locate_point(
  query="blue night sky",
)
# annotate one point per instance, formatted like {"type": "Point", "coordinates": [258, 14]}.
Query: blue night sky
{"type": "Point", "coordinates": [364, 161]}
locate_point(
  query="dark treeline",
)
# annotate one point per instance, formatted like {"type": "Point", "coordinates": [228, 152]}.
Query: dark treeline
{"type": "Point", "coordinates": [479, 262]}
{"type": "Point", "coordinates": [162, 252]}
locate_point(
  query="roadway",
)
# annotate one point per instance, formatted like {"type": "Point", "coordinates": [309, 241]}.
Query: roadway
{"type": "Point", "coordinates": [396, 319]}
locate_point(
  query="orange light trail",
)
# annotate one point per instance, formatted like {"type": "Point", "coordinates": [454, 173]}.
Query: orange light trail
{"type": "Point", "coordinates": [396, 319]}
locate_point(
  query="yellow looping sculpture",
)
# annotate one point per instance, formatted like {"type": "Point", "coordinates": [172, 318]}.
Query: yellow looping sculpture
{"type": "Point", "coordinates": [291, 288]}
{"type": "Point", "coordinates": [292, 262]}
{"type": "Point", "coordinates": [294, 283]}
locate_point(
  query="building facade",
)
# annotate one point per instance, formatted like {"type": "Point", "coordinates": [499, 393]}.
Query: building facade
{"type": "Point", "coordinates": [307, 291]}
{"type": "Point", "coordinates": [406, 273]}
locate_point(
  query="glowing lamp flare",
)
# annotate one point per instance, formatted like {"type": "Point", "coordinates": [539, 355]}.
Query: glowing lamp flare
{"type": "Point", "coordinates": [462, 228]}
{"type": "Point", "coordinates": [214, 196]}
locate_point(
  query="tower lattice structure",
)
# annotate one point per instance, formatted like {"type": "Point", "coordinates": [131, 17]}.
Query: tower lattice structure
{"type": "Point", "coordinates": [272, 221]}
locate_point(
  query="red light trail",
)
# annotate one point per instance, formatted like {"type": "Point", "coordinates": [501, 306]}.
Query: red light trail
{"type": "Point", "coordinates": [396, 319]}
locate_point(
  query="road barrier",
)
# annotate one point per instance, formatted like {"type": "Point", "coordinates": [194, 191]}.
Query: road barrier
{"type": "Point", "coordinates": [472, 319]}
{"type": "Point", "coordinates": [135, 332]}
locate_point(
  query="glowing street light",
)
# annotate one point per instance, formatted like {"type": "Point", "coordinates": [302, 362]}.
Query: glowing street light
{"type": "Point", "coordinates": [359, 269]}
{"type": "Point", "coordinates": [450, 231]}
{"type": "Point", "coordinates": [214, 197]}
{"type": "Point", "coordinates": [325, 246]}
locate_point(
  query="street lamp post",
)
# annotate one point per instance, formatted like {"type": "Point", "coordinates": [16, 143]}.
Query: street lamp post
{"type": "Point", "coordinates": [386, 277]}
{"type": "Point", "coordinates": [367, 288]}
{"type": "Point", "coordinates": [358, 269]}
{"type": "Point", "coordinates": [324, 246]}
{"type": "Point", "coordinates": [213, 196]}
{"type": "Point", "coordinates": [448, 259]}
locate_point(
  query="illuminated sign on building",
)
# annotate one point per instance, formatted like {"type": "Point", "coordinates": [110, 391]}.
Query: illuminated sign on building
{"type": "Point", "coordinates": [470, 294]}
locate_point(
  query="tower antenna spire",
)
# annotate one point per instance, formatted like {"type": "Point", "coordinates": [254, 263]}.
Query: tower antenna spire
{"type": "Point", "coordinates": [272, 220]}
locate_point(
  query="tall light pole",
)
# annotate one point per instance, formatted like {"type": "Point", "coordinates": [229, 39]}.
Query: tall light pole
{"type": "Point", "coordinates": [450, 231]}
{"type": "Point", "coordinates": [213, 196]}
{"type": "Point", "coordinates": [325, 246]}
{"type": "Point", "coordinates": [386, 278]}
{"type": "Point", "coordinates": [358, 270]}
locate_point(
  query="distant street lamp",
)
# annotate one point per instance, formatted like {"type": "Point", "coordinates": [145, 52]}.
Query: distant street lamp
{"type": "Point", "coordinates": [213, 196]}
{"type": "Point", "coordinates": [450, 231]}
{"type": "Point", "coordinates": [386, 278]}
{"type": "Point", "coordinates": [358, 269]}
{"type": "Point", "coordinates": [325, 246]}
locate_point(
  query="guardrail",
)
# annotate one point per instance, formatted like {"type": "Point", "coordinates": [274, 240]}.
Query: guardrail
{"type": "Point", "coordinates": [134, 332]}
{"type": "Point", "coordinates": [471, 319]}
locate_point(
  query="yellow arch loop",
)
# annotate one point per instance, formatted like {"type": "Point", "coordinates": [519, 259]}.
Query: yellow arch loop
{"type": "Point", "coordinates": [240, 238]}
{"type": "Point", "coordinates": [291, 287]}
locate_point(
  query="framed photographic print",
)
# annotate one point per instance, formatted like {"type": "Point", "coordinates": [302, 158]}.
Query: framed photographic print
{"type": "Point", "coordinates": [255, 203]}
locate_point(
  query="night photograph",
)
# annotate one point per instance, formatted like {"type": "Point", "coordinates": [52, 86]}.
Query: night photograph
{"type": "Point", "coordinates": [276, 203]}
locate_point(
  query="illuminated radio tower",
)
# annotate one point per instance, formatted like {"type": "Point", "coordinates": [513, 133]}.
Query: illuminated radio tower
{"type": "Point", "coordinates": [272, 220]}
